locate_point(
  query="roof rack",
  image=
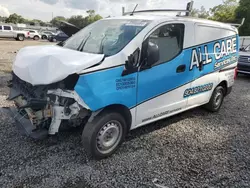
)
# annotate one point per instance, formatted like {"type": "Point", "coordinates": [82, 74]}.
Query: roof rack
{"type": "Point", "coordinates": [238, 25]}
{"type": "Point", "coordinates": [187, 10]}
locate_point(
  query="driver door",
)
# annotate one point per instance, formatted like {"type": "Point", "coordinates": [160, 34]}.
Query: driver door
{"type": "Point", "coordinates": [161, 87]}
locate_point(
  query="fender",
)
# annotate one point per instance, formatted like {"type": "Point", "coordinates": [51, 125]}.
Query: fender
{"type": "Point", "coordinates": [106, 87]}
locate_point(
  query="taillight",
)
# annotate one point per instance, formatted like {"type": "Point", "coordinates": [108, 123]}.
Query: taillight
{"type": "Point", "coordinates": [235, 73]}
{"type": "Point", "coordinates": [28, 33]}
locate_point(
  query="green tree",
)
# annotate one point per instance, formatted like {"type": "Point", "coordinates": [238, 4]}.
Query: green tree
{"type": "Point", "coordinates": [56, 20]}
{"type": "Point", "coordinates": [15, 18]}
{"type": "Point", "coordinates": [78, 21]}
{"type": "Point", "coordinates": [224, 12]}
{"type": "Point", "coordinates": [200, 13]}
{"type": "Point", "coordinates": [92, 17]}
{"type": "Point", "coordinates": [243, 11]}
{"type": "Point", "coordinates": [2, 19]}
{"type": "Point", "coordinates": [82, 22]}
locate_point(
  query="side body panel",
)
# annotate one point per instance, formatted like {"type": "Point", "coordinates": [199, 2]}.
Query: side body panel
{"type": "Point", "coordinates": [165, 92]}
{"type": "Point", "coordinates": [215, 55]}
{"type": "Point", "coordinates": [107, 87]}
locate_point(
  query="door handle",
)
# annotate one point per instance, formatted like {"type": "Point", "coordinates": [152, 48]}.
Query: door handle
{"type": "Point", "coordinates": [181, 68]}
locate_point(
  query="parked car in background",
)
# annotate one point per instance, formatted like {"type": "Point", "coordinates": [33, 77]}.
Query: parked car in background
{"type": "Point", "coordinates": [61, 36]}
{"type": "Point", "coordinates": [244, 61]}
{"type": "Point", "coordinates": [45, 34]}
{"type": "Point", "coordinates": [244, 41]}
{"type": "Point", "coordinates": [33, 34]}
{"type": "Point", "coordinates": [7, 31]}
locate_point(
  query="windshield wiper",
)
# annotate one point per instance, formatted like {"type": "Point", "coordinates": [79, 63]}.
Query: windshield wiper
{"type": "Point", "coordinates": [84, 41]}
{"type": "Point", "coordinates": [101, 45]}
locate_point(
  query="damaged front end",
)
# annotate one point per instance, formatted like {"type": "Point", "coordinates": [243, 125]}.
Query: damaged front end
{"type": "Point", "coordinates": [41, 110]}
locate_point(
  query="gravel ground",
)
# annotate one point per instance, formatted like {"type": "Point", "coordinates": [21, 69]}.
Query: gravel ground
{"type": "Point", "coordinates": [193, 149]}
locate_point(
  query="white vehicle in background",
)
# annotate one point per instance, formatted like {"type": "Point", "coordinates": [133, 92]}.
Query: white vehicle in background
{"type": "Point", "coordinates": [7, 31]}
{"type": "Point", "coordinates": [33, 34]}
{"type": "Point", "coordinates": [45, 34]}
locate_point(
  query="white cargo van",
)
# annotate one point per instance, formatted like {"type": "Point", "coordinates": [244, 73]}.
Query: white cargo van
{"type": "Point", "coordinates": [121, 73]}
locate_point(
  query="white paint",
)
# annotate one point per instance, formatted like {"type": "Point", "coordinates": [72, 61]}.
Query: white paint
{"type": "Point", "coordinates": [42, 65]}
{"type": "Point", "coordinates": [166, 102]}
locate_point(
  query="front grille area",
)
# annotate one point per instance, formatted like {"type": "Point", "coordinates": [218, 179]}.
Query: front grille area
{"type": "Point", "coordinates": [27, 89]}
{"type": "Point", "coordinates": [40, 91]}
{"type": "Point", "coordinates": [244, 59]}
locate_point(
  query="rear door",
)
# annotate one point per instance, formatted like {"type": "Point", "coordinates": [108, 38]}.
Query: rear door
{"type": "Point", "coordinates": [213, 52]}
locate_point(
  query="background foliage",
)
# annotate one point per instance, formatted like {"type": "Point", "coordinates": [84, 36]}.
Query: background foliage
{"type": "Point", "coordinates": [230, 11]}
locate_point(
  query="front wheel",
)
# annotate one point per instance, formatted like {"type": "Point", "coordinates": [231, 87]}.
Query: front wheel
{"type": "Point", "coordinates": [216, 100]}
{"type": "Point", "coordinates": [102, 137]}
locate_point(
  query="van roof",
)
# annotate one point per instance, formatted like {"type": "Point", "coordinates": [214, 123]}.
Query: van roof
{"type": "Point", "coordinates": [162, 17]}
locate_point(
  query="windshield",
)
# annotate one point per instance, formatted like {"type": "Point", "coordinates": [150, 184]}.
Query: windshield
{"type": "Point", "coordinates": [106, 37]}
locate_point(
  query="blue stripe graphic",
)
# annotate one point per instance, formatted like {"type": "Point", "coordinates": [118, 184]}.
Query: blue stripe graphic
{"type": "Point", "coordinates": [107, 87]}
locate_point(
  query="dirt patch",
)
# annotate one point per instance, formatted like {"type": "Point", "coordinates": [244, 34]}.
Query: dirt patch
{"type": "Point", "coordinates": [9, 49]}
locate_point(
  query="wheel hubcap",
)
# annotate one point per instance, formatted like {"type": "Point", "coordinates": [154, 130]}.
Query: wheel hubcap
{"type": "Point", "coordinates": [109, 136]}
{"type": "Point", "coordinates": [218, 98]}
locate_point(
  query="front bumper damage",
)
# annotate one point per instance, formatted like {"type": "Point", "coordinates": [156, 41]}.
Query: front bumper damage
{"type": "Point", "coordinates": [41, 110]}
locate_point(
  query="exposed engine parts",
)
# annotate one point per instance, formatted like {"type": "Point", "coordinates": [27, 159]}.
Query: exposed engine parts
{"type": "Point", "coordinates": [47, 107]}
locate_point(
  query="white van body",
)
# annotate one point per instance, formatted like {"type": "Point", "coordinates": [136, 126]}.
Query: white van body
{"type": "Point", "coordinates": [196, 57]}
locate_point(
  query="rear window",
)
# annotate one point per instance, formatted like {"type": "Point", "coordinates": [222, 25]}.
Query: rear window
{"type": "Point", "coordinates": [7, 28]}
{"type": "Point", "coordinates": [32, 31]}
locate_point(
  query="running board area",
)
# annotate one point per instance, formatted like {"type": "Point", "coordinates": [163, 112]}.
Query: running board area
{"type": "Point", "coordinates": [25, 126]}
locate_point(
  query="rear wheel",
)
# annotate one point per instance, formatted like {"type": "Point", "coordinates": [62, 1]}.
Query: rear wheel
{"type": "Point", "coordinates": [216, 100]}
{"type": "Point", "coordinates": [20, 37]}
{"type": "Point", "coordinates": [36, 37]}
{"type": "Point", "coordinates": [102, 137]}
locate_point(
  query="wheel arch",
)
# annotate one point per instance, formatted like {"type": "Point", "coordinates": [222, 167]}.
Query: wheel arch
{"type": "Point", "coordinates": [121, 109]}
{"type": "Point", "coordinates": [224, 85]}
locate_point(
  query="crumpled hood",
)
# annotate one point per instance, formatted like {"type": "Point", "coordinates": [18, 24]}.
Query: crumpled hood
{"type": "Point", "coordinates": [42, 65]}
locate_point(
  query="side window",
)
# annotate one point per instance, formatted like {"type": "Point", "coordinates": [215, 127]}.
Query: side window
{"type": "Point", "coordinates": [7, 28]}
{"type": "Point", "coordinates": [0, 27]}
{"type": "Point", "coordinates": [169, 38]}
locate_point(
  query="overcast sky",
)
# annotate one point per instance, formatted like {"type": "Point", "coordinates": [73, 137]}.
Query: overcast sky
{"type": "Point", "coordinates": [43, 9]}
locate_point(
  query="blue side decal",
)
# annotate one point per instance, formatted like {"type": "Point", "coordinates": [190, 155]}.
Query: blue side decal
{"type": "Point", "coordinates": [107, 87]}
{"type": "Point", "coordinates": [163, 78]}
{"type": "Point", "coordinates": [197, 90]}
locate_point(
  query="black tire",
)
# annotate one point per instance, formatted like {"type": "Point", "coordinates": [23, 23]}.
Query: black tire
{"type": "Point", "coordinates": [216, 99]}
{"type": "Point", "coordinates": [96, 131]}
{"type": "Point", "coordinates": [20, 37]}
{"type": "Point", "coordinates": [44, 37]}
{"type": "Point", "coordinates": [36, 37]}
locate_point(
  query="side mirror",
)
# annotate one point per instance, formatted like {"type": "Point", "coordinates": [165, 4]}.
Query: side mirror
{"type": "Point", "coordinates": [131, 65]}
{"type": "Point", "coordinates": [241, 49]}
{"type": "Point", "coordinates": [153, 53]}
